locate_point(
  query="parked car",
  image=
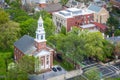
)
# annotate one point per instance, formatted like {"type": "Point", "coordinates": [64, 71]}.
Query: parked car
{"type": "Point", "coordinates": [54, 69]}
{"type": "Point", "coordinates": [59, 68]}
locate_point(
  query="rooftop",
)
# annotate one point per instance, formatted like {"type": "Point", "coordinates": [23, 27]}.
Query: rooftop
{"type": "Point", "coordinates": [94, 8]}
{"type": "Point", "coordinates": [71, 12]}
{"type": "Point", "coordinates": [118, 0]}
{"type": "Point", "coordinates": [87, 26]}
{"type": "Point", "coordinates": [25, 44]}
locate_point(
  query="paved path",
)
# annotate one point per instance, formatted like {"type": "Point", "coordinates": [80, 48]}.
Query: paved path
{"type": "Point", "coordinates": [67, 75]}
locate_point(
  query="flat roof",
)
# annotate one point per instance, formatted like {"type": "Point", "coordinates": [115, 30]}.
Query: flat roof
{"type": "Point", "coordinates": [87, 26]}
{"type": "Point", "coordinates": [71, 12]}
{"type": "Point", "coordinates": [73, 9]}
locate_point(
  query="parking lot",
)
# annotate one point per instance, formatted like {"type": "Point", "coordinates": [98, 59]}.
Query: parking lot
{"type": "Point", "coordinates": [45, 76]}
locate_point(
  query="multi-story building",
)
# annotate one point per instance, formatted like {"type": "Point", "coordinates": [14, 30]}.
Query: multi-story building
{"type": "Point", "coordinates": [101, 15]}
{"type": "Point", "coordinates": [81, 17]}
{"type": "Point", "coordinates": [72, 17]}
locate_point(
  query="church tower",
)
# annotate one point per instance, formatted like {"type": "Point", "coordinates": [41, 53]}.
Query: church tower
{"type": "Point", "coordinates": [40, 41]}
{"type": "Point", "coordinates": [42, 3]}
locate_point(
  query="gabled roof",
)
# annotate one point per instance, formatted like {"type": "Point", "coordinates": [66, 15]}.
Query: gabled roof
{"type": "Point", "coordinates": [25, 44]}
{"type": "Point", "coordinates": [51, 7]}
{"type": "Point", "coordinates": [94, 8]}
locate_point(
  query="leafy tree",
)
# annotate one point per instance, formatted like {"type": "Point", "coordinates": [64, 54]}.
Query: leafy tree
{"type": "Point", "coordinates": [77, 44]}
{"type": "Point", "coordinates": [113, 22]}
{"type": "Point", "coordinates": [63, 30]}
{"type": "Point", "coordinates": [43, 14]}
{"type": "Point", "coordinates": [21, 69]}
{"type": "Point", "coordinates": [26, 64]}
{"type": "Point", "coordinates": [117, 32]}
{"type": "Point", "coordinates": [2, 66]}
{"type": "Point", "coordinates": [4, 17]}
{"type": "Point", "coordinates": [63, 2]}
{"type": "Point", "coordinates": [18, 15]}
{"type": "Point", "coordinates": [28, 27]}
{"type": "Point", "coordinates": [49, 27]}
{"type": "Point", "coordinates": [15, 4]}
{"type": "Point", "coordinates": [117, 48]}
{"type": "Point", "coordinates": [9, 33]}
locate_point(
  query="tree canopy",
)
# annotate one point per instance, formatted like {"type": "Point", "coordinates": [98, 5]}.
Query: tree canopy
{"type": "Point", "coordinates": [9, 31]}
{"type": "Point", "coordinates": [78, 44]}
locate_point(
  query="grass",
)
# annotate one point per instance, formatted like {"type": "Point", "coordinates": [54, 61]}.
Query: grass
{"type": "Point", "coordinates": [5, 56]}
{"type": "Point", "coordinates": [66, 65]}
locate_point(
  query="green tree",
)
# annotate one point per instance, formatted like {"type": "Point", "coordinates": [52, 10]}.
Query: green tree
{"type": "Point", "coordinates": [117, 32]}
{"type": "Point", "coordinates": [4, 17]}
{"type": "Point", "coordinates": [49, 27]}
{"type": "Point", "coordinates": [63, 2]}
{"type": "Point", "coordinates": [63, 30]}
{"type": "Point", "coordinates": [18, 15]}
{"type": "Point", "coordinates": [117, 48]}
{"type": "Point", "coordinates": [15, 4]}
{"type": "Point", "coordinates": [28, 27]}
{"type": "Point", "coordinates": [21, 69]}
{"type": "Point", "coordinates": [113, 23]}
{"type": "Point", "coordinates": [9, 33]}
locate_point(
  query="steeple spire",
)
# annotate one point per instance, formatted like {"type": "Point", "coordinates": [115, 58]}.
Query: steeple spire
{"type": "Point", "coordinates": [40, 41]}
{"type": "Point", "coordinates": [40, 33]}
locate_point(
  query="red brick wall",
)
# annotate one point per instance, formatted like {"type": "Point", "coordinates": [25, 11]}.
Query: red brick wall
{"type": "Point", "coordinates": [17, 53]}
{"type": "Point", "coordinates": [70, 23]}
{"type": "Point", "coordinates": [79, 20]}
{"type": "Point", "coordinates": [40, 45]}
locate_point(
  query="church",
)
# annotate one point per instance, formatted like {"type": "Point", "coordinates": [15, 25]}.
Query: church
{"type": "Point", "coordinates": [37, 47]}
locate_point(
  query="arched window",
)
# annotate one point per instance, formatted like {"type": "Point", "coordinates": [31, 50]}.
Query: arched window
{"type": "Point", "coordinates": [41, 37]}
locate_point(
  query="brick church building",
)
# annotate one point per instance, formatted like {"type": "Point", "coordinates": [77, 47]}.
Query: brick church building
{"type": "Point", "coordinates": [27, 45]}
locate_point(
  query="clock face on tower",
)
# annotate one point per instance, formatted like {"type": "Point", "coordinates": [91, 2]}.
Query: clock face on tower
{"type": "Point", "coordinates": [40, 25]}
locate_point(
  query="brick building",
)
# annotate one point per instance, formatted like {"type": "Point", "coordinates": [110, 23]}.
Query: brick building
{"type": "Point", "coordinates": [27, 45]}
{"type": "Point", "coordinates": [72, 17]}
{"type": "Point", "coordinates": [81, 18]}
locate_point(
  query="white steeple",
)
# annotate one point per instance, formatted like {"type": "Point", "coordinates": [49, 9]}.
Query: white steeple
{"type": "Point", "coordinates": [40, 33]}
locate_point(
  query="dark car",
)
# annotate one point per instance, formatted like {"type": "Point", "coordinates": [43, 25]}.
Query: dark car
{"type": "Point", "coordinates": [59, 68]}
{"type": "Point", "coordinates": [54, 69]}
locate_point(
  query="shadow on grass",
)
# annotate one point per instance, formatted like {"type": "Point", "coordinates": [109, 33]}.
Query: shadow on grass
{"type": "Point", "coordinates": [66, 65]}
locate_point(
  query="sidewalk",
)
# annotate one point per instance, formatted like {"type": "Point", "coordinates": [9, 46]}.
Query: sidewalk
{"type": "Point", "coordinates": [110, 63]}
{"type": "Point", "coordinates": [67, 75]}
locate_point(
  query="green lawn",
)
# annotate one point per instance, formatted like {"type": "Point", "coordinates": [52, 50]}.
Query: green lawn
{"type": "Point", "coordinates": [5, 59]}
{"type": "Point", "coordinates": [66, 65]}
